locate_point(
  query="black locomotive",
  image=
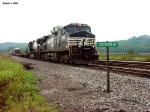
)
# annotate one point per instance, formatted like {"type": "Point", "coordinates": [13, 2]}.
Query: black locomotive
{"type": "Point", "coordinates": [72, 43]}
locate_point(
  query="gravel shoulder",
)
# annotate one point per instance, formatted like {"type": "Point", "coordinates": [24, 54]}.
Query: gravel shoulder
{"type": "Point", "coordinates": [77, 89]}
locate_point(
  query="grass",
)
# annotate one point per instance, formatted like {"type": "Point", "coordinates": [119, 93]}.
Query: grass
{"type": "Point", "coordinates": [18, 92]}
{"type": "Point", "coordinates": [126, 57]}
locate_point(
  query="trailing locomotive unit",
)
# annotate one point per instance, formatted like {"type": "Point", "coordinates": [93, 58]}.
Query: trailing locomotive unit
{"type": "Point", "coordinates": [32, 49]}
{"type": "Point", "coordinates": [35, 48]}
{"type": "Point", "coordinates": [72, 43]}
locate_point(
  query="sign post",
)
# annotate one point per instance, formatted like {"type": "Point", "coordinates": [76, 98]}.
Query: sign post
{"type": "Point", "coordinates": [108, 76]}
{"type": "Point", "coordinates": [107, 45]}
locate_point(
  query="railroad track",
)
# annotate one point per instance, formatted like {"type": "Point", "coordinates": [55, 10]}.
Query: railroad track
{"type": "Point", "coordinates": [123, 67]}
{"type": "Point", "coordinates": [136, 68]}
{"type": "Point", "coordinates": [131, 64]}
{"type": "Point", "coordinates": [127, 67]}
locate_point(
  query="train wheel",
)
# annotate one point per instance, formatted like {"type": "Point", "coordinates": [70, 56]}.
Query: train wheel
{"type": "Point", "coordinates": [28, 55]}
{"type": "Point", "coordinates": [46, 58]}
{"type": "Point", "coordinates": [66, 58]}
{"type": "Point", "coordinates": [61, 59]}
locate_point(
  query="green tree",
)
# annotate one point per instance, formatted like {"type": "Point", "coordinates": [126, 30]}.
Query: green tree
{"type": "Point", "coordinates": [131, 51]}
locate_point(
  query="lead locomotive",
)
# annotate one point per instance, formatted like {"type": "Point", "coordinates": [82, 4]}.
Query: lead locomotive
{"type": "Point", "coordinates": [72, 43]}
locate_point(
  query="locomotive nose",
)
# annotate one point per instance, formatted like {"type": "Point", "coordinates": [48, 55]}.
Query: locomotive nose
{"type": "Point", "coordinates": [82, 34]}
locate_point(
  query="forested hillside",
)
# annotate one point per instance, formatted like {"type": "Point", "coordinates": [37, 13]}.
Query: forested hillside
{"type": "Point", "coordinates": [139, 44]}
{"type": "Point", "coordinates": [7, 46]}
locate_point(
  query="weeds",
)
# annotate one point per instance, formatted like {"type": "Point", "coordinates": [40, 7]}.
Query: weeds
{"type": "Point", "coordinates": [148, 59]}
{"type": "Point", "coordinates": [17, 89]}
{"type": "Point", "coordinates": [126, 57]}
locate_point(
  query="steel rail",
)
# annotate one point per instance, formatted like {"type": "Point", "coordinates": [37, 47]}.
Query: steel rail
{"type": "Point", "coordinates": [127, 67]}
{"type": "Point", "coordinates": [122, 67]}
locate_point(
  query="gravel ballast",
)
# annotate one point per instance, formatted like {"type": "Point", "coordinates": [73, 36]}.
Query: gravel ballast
{"type": "Point", "coordinates": [79, 89]}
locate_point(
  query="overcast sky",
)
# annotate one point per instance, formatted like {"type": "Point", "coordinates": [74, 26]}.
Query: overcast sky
{"type": "Point", "coordinates": [110, 20]}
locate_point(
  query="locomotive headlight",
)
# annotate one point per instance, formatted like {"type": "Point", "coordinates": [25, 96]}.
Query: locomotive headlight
{"type": "Point", "coordinates": [93, 46]}
{"type": "Point", "coordinates": [79, 45]}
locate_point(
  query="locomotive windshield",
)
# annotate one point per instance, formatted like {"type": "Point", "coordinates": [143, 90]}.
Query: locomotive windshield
{"type": "Point", "coordinates": [74, 28]}
{"type": "Point", "coordinates": [85, 28]}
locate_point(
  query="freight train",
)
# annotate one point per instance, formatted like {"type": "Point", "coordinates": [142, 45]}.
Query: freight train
{"type": "Point", "coordinates": [73, 43]}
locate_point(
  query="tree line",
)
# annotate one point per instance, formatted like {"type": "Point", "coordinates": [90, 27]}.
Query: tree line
{"type": "Point", "coordinates": [135, 44]}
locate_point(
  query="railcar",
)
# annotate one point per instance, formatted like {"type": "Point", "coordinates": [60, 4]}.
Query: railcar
{"type": "Point", "coordinates": [72, 43]}
{"type": "Point", "coordinates": [15, 51]}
